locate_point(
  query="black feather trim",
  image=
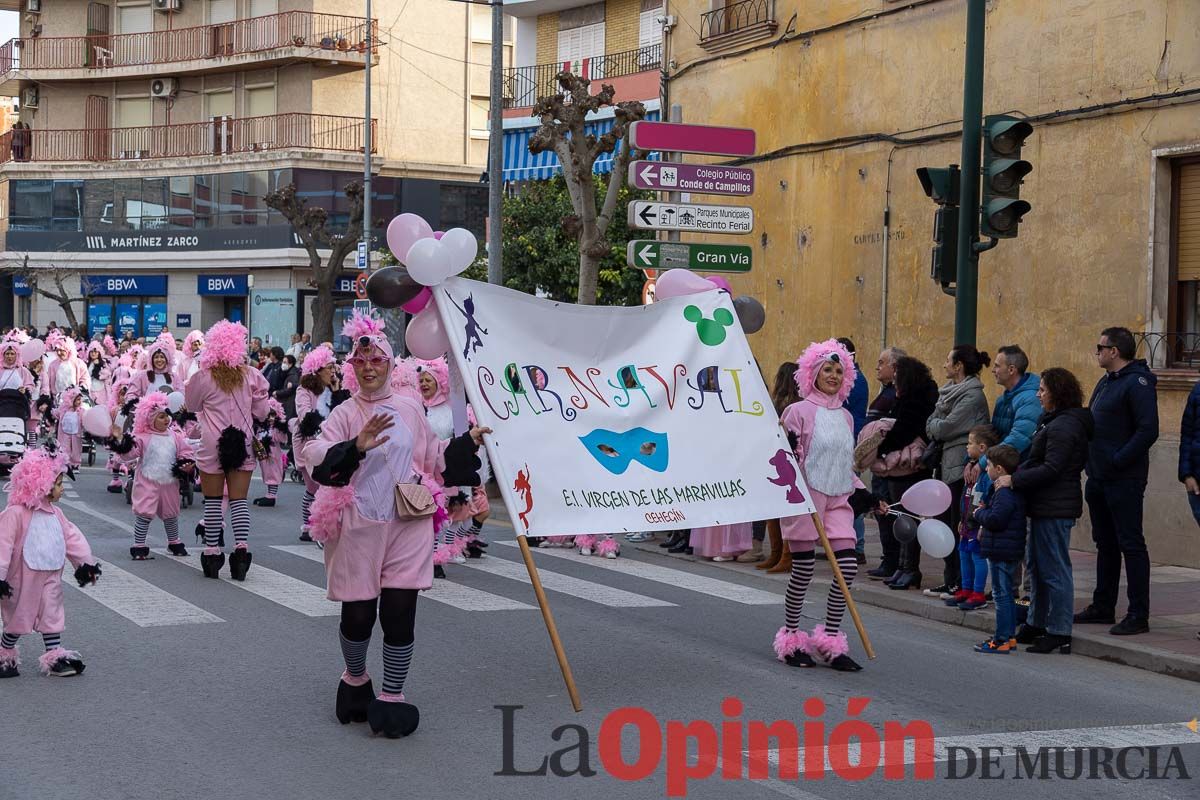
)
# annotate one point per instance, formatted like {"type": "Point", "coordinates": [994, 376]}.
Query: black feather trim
{"type": "Point", "coordinates": [96, 368]}
{"type": "Point", "coordinates": [338, 397]}
{"type": "Point", "coordinates": [266, 441]}
{"type": "Point", "coordinates": [129, 407]}
{"type": "Point", "coordinates": [310, 425]}
{"type": "Point", "coordinates": [793, 440]}
{"type": "Point", "coordinates": [183, 415]}
{"type": "Point", "coordinates": [177, 469]}
{"type": "Point", "coordinates": [46, 403]}
{"type": "Point", "coordinates": [231, 449]}
{"type": "Point", "coordinates": [281, 426]}
{"type": "Point", "coordinates": [121, 446]}
{"type": "Point", "coordinates": [462, 463]}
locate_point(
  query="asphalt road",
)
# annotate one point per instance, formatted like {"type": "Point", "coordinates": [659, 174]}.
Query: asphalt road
{"type": "Point", "coordinates": [199, 688]}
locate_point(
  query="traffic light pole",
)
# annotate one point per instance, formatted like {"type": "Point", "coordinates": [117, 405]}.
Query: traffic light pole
{"type": "Point", "coordinates": [966, 295]}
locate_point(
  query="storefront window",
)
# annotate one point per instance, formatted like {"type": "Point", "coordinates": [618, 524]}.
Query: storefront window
{"type": "Point", "coordinates": [205, 197]}
{"type": "Point", "coordinates": [126, 211]}
{"type": "Point", "coordinates": [68, 205]}
{"type": "Point", "coordinates": [181, 201]}
{"type": "Point", "coordinates": [464, 206]}
{"type": "Point", "coordinates": [154, 203]}
{"type": "Point", "coordinates": [254, 210]}
{"type": "Point", "coordinates": [31, 205]}
{"type": "Point", "coordinates": [97, 205]}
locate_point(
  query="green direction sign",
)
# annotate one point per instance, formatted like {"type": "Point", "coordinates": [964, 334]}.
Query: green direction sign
{"type": "Point", "coordinates": [704, 257]}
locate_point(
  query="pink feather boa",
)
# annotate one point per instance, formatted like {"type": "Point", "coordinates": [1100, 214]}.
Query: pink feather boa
{"type": "Point", "coordinates": [361, 324]}
{"type": "Point", "coordinates": [225, 343]}
{"type": "Point", "coordinates": [325, 514]}
{"type": "Point", "coordinates": [827, 646]}
{"type": "Point", "coordinates": [788, 642]}
{"type": "Point", "coordinates": [810, 363]}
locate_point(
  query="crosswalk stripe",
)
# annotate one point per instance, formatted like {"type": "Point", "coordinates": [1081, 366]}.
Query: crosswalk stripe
{"type": "Point", "coordinates": [576, 587]}
{"type": "Point", "coordinates": [139, 601]}
{"type": "Point", "coordinates": [676, 578]}
{"type": "Point", "coordinates": [443, 591]}
{"type": "Point", "coordinates": [284, 590]}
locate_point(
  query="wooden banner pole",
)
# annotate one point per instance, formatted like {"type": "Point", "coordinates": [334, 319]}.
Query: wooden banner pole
{"type": "Point", "coordinates": [841, 581]}
{"type": "Point", "coordinates": [543, 604]}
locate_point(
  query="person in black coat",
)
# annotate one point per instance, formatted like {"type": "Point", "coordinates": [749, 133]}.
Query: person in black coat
{"type": "Point", "coordinates": [1049, 482]}
{"type": "Point", "coordinates": [916, 397]}
{"type": "Point", "coordinates": [290, 382]}
{"type": "Point", "coordinates": [880, 407]}
{"type": "Point", "coordinates": [1001, 519]}
{"type": "Point", "coordinates": [1124, 406]}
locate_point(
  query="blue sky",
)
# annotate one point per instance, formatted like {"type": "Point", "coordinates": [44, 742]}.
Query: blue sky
{"type": "Point", "coordinates": [8, 25]}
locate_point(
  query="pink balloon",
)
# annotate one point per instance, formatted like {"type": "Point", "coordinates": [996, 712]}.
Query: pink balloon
{"type": "Point", "coordinates": [404, 231]}
{"type": "Point", "coordinates": [418, 303]}
{"type": "Point", "coordinates": [720, 283]}
{"type": "Point", "coordinates": [679, 282]}
{"type": "Point", "coordinates": [32, 350]}
{"type": "Point", "coordinates": [438, 235]}
{"type": "Point", "coordinates": [425, 336]}
{"type": "Point", "coordinates": [98, 422]}
{"type": "Point", "coordinates": [927, 498]}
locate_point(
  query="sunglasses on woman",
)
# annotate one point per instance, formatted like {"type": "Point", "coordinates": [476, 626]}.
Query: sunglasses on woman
{"type": "Point", "coordinates": [375, 361]}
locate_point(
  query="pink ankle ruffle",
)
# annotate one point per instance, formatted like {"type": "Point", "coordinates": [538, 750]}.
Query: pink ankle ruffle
{"type": "Point", "coordinates": [49, 658]}
{"type": "Point", "coordinates": [607, 546]}
{"type": "Point", "coordinates": [10, 656]}
{"type": "Point", "coordinates": [350, 680]}
{"type": "Point", "coordinates": [827, 646]}
{"type": "Point", "coordinates": [391, 698]}
{"type": "Point", "coordinates": [788, 642]}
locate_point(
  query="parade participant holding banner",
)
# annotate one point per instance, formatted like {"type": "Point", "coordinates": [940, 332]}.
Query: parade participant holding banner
{"type": "Point", "coordinates": [378, 529]}
{"type": "Point", "coordinates": [227, 396]}
{"type": "Point", "coordinates": [319, 393]}
{"type": "Point", "coordinates": [823, 434]}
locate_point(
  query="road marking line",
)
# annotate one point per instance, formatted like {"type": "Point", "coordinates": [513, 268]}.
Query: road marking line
{"type": "Point", "coordinates": [576, 587]}
{"type": "Point", "coordinates": [443, 591]}
{"type": "Point", "coordinates": [281, 589]}
{"type": "Point", "coordinates": [138, 600]}
{"type": "Point", "coordinates": [676, 578]}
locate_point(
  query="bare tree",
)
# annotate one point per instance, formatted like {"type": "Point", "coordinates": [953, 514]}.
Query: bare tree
{"type": "Point", "coordinates": [52, 282]}
{"type": "Point", "coordinates": [311, 225]}
{"type": "Point", "coordinates": [563, 129]}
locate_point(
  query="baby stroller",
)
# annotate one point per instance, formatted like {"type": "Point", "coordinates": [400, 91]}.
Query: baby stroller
{"type": "Point", "coordinates": [89, 444]}
{"type": "Point", "coordinates": [14, 412]}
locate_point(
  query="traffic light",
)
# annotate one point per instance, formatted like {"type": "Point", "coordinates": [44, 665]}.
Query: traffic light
{"type": "Point", "coordinates": [942, 186]}
{"type": "Point", "coordinates": [1002, 208]}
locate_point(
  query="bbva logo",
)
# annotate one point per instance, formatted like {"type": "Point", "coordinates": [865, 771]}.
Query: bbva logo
{"type": "Point", "coordinates": [122, 284]}
{"type": "Point", "coordinates": [221, 284]}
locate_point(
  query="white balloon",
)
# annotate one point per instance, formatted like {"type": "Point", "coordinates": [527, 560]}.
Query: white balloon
{"type": "Point", "coordinates": [461, 249]}
{"type": "Point", "coordinates": [426, 262]}
{"type": "Point", "coordinates": [174, 402]}
{"type": "Point", "coordinates": [935, 537]}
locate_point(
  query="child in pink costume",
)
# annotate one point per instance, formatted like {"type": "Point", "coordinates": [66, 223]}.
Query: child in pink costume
{"type": "Point", "coordinates": [164, 457]}
{"type": "Point", "coordinates": [375, 560]}
{"type": "Point", "coordinates": [65, 371]}
{"type": "Point", "coordinates": [36, 541]}
{"type": "Point", "coordinates": [823, 435]}
{"type": "Point", "coordinates": [319, 392]}
{"type": "Point", "coordinates": [69, 416]}
{"type": "Point", "coordinates": [227, 396]}
{"type": "Point", "coordinates": [98, 374]}
{"type": "Point", "coordinates": [273, 434]}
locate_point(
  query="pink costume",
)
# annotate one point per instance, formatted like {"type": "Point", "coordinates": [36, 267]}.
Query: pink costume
{"type": "Point", "coordinates": [61, 375]}
{"type": "Point", "coordinates": [36, 542]}
{"type": "Point", "coordinates": [441, 420]}
{"type": "Point", "coordinates": [188, 364]}
{"type": "Point", "coordinates": [98, 374]}
{"type": "Point", "coordinates": [274, 435]}
{"type": "Point", "coordinates": [218, 410]}
{"type": "Point", "coordinates": [150, 379]}
{"type": "Point", "coordinates": [155, 482]}
{"type": "Point", "coordinates": [722, 540]}
{"type": "Point", "coordinates": [306, 402]}
{"type": "Point", "coordinates": [70, 427]}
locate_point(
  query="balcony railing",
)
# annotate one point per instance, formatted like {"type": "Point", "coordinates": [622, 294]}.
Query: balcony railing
{"type": "Point", "coordinates": [216, 137]}
{"type": "Point", "coordinates": [298, 30]}
{"type": "Point", "coordinates": [524, 85]}
{"type": "Point", "coordinates": [1169, 350]}
{"type": "Point", "coordinates": [736, 17]}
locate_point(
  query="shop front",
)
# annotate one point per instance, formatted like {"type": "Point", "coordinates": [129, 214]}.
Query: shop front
{"type": "Point", "coordinates": [222, 297]}
{"type": "Point", "coordinates": [135, 305]}
{"type": "Point", "coordinates": [344, 295]}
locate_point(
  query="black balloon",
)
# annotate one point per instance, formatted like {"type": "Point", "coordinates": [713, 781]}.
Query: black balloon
{"type": "Point", "coordinates": [905, 529]}
{"type": "Point", "coordinates": [750, 313]}
{"type": "Point", "coordinates": [392, 287]}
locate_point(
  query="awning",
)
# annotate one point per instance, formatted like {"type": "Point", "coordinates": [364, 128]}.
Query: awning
{"type": "Point", "coordinates": [521, 165]}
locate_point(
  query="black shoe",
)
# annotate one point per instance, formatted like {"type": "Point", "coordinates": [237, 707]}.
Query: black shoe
{"type": "Point", "coordinates": [139, 553]}
{"type": "Point", "coordinates": [439, 571]}
{"type": "Point", "coordinates": [678, 547]}
{"type": "Point", "coordinates": [895, 576]}
{"type": "Point", "coordinates": [909, 580]}
{"type": "Point", "coordinates": [1130, 626]}
{"type": "Point", "coordinates": [9, 671]}
{"type": "Point", "coordinates": [177, 549]}
{"type": "Point", "coordinates": [352, 702]}
{"type": "Point", "coordinates": [393, 720]}
{"type": "Point", "coordinates": [799, 659]}
{"type": "Point", "coordinates": [239, 563]}
{"type": "Point", "coordinates": [199, 532]}
{"type": "Point", "coordinates": [473, 552]}
{"type": "Point", "coordinates": [860, 558]}
{"type": "Point", "coordinates": [1027, 634]}
{"type": "Point", "coordinates": [269, 502]}
{"type": "Point", "coordinates": [115, 488]}
{"type": "Point", "coordinates": [672, 540]}
{"type": "Point", "coordinates": [480, 543]}
{"type": "Point", "coordinates": [882, 572]}
{"type": "Point", "coordinates": [1049, 643]}
{"type": "Point", "coordinates": [211, 564]}
{"type": "Point", "coordinates": [1094, 616]}
{"type": "Point", "coordinates": [688, 551]}
{"type": "Point", "coordinates": [304, 537]}
{"type": "Point", "coordinates": [938, 591]}
{"type": "Point", "coordinates": [66, 667]}
{"type": "Point", "coordinates": [845, 663]}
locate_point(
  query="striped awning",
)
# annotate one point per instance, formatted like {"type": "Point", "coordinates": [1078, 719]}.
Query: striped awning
{"type": "Point", "coordinates": [521, 165]}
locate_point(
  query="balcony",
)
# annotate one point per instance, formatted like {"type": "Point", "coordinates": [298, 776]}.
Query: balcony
{"type": "Point", "coordinates": [737, 23]}
{"type": "Point", "coordinates": [222, 136]}
{"type": "Point", "coordinates": [253, 42]}
{"type": "Point", "coordinates": [633, 73]}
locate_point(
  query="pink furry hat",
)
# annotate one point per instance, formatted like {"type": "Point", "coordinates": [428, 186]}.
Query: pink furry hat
{"type": "Point", "coordinates": [110, 347]}
{"type": "Point", "coordinates": [33, 477]}
{"type": "Point", "coordinates": [16, 335]}
{"type": "Point", "coordinates": [405, 377]}
{"type": "Point", "coordinates": [137, 357]}
{"type": "Point", "coordinates": [10, 344]}
{"type": "Point", "coordinates": [114, 395]}
{"type": "Point", "coordinates": [440, 371]}
{"type": "Point", "coordinates": [362, 326]}
{"type": "Point", "coordinates": [54, 340]}
{"type": "Point", "coordinates": [810, 363]}
{"type": "Point", "coordinates": [163, 344]}
{"type": "Point", "coordinates": [225, 344]}
{"type": "Point", "coordinates": [69, 397]}
{"type": "Point", "coordinates": [95, 347]}
{"type": "Point", "coordinates": [147, 409]}
{"type": "Point", "coordinates": [276, 408]}
{"type": "Point", "coordinates": [317, 360]}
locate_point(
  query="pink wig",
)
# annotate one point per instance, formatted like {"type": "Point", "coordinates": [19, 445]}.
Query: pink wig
{"type": "Point", "coordinates": [69, 397]}
{"type": "Point", "coordinates": [404, 379]}
{"type": "Point", "coordinates": [810, 363]}
{"type": "Point", "coordinates": [16, 335]}
{"type": "Point", "coordinates": [440, 371]}
{"type": "Point", "coordinates": [224, 344]}
{"type": "Point", "coordinates": [147, 409]}
{"type": "Point", "coordinates": [54, 340]}
{"type": "Point", "coordinates": [317, 360]}
{"type": "Point", "coordinates": [33, 477]}
{"type": "Point", "coordinates": [325, 514]}
{"type": "Point", "coordinates": [110, 347]}
{"type": "Point", "coordinates": [276, 408]}
{"type": "Point", "coordinates": [95, 347]}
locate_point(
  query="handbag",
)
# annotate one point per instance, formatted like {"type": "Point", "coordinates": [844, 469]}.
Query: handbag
{"type": "Point", "coordinates": [414, 501]}
{"type": "Point", "coordinates": [931, 457]}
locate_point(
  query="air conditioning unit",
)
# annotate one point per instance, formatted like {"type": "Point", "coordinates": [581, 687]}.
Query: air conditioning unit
{"type": "Point", "coordinates": [29, 97]}
{"type": "Point", "coordinates": [167, 6]}
{"type": "Point", "coordinates": [33, 6]}
{"type": "Point", "coordinates": [164, 88]}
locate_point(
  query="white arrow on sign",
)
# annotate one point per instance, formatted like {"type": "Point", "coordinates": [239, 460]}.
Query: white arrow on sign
{"type": "Point", "coordinates": [648, 173]}
{"type": "Point", "coordinates": [645, 253]}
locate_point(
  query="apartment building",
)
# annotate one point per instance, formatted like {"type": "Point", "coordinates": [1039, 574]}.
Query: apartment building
{"type": "Point", "coordinates": [149, 132]}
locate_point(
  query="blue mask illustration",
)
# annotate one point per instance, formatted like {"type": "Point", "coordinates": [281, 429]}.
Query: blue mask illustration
{"type": "Point", "coordinates": [616, 451]}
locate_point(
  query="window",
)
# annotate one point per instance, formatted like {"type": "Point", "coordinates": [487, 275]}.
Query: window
{"type": "Point", "coordinates": [135, 19]}
{"type": "Point", "coordinates": [580, 36]}
{"type": "Point", "coordinates": [97, 201]}
{"type": "Point", "coordinates": [464, 206]}
{"type": "Point", "coordinates": [219, 104]}
{"type": "Point", "coordinates": [256, 188]}
{"type": "Point", "coordinates": [134, 112]}
{"type": "Point", "coordinates": [479, 117]}
{"type": "Point", "coordinates": [67, 203]}
{"type": "Point", "coordinates": [205, 198]}
{"type": "Point", "coordinates": [181, 198]}
{"type": "Point", "coordinates": [649, 31]}
{"type": "Point", "coordinates": [154, 203]}
{"type": "Point", "coordinates": [126, 211]}
{"type": "Point", "coordinates": [220, 11]}
{"type": "Point", "coordinates": [262, 8]}
{"type": "Point", "coordinates": [260, 101]}
{"type": "Point", "coordinates": [1186, 255]}
{"type": "Point", "coordinates": [31, 205]}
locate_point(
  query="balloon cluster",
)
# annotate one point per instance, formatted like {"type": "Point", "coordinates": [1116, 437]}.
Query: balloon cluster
{"type": "Point", "coordinates": [926, 498]}
{"type": "Point", "coordinates": [679, 282]}
{"type": "Point", "coordinates": [428, 257]}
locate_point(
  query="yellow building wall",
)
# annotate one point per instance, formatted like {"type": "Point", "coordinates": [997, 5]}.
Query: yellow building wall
{"type": "Point", "coordinates": [547, 38]}
{"type": "Point", "coordinates": [850, 114]}
{"type": "Point", "coordinates": [621, 25]}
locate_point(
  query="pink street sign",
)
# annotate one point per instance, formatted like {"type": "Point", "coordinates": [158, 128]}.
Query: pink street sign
{"type": "Point", "coordinates": [703, 139]}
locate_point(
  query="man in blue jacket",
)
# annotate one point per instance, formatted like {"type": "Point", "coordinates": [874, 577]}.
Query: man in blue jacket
{"type": "Point", "coordinates": [1124, 406]}
{"type": "Point", "coordinates": [1017, 411]}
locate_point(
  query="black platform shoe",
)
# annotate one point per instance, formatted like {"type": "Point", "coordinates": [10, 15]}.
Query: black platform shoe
{"type": "Point", "coordinates": [845, 663]}
{"type": "Point", "coordinates": [439, 571]}
{"type": "Point", "coordinates": [239, 564]}
{"type": "Point", "coordinates": [265, 501]}
{"type": "Point", "coordinates": [211, 564]}
{"type": "Point", "coordinates": [473, 551]}
{"type": "Point", "coordinates": [799, 659]}
{"type": "Point", "coordinates": [115, 488]}
{"type": "Point", "coordinates": [393, 720]}
{"type": "Point", "coordinates": [352, 702]}
{"type": "Point", "coordinates": [66, 668]}
{"type": "Point", "coordinates": [1027, 634]}
{"type": "Point", "coordinates": [177, 549]}
{"type": "Point", "coordinates": [304, 537]}
{"type": "Point", "coordinates": [139, 553]}
{"type": "Point", "coordinates": [9, 671]}
{"type": "Point", "coordinates": [672, 540]}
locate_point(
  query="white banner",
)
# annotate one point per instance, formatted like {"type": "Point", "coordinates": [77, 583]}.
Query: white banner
{"type": "Point", "coordinates": [620, 419]}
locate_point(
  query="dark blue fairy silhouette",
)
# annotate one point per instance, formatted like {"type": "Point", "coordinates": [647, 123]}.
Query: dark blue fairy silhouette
{"type": "Point", "coordinates": [473, 328]}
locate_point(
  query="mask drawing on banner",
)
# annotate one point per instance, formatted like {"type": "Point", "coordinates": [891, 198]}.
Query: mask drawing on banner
{"type": "Point", "coordinates": [616, 451]}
